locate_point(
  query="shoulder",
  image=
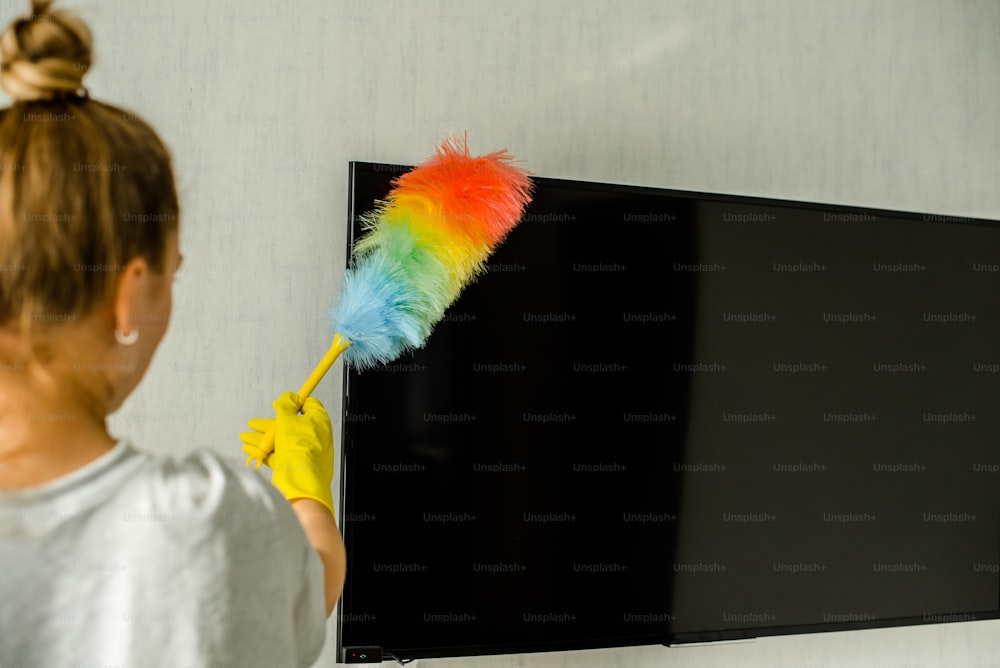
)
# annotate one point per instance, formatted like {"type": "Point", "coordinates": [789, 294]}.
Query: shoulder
{"type": "Point", "coordinates": [216, 510]}
{"type": "Point", "coordinates": [218, 527]}
{"type": "Point", "coordinates": [204, 491]}
{"type": "Point", "coordinates": [203, 481]}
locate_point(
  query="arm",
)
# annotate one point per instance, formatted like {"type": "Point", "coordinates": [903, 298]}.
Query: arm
{"type": "Point", "coordinates": [321, 529]}
{"type": "Point", "coordinates": [302, 465]}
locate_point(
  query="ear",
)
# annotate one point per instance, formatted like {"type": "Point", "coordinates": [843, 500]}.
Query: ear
{"type": "Point", "coordinates": [130, 293]}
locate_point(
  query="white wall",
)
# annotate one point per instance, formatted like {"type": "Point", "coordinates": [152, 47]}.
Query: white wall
{"type": "Point", "coordinates": [889, 104]}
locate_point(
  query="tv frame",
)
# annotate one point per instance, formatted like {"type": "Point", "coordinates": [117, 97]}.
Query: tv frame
{"type": "Point", "coordinates": [677, 640]}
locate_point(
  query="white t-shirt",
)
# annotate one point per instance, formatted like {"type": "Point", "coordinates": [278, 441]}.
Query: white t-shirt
{"type": "Point", "coordinates": [135, 561]}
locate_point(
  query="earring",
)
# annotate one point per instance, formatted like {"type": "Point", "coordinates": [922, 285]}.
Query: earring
{"type": "Point", "coordinates": [126, 340]}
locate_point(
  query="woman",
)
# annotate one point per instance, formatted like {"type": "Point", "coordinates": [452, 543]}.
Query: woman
{"type": "Point", "coordinates": [109, 555]}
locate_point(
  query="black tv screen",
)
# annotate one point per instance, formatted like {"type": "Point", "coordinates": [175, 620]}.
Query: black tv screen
{"type": "Point", "coordinates": [667, 417]}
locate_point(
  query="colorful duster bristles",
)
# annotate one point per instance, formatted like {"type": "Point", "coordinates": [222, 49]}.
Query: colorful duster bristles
{"type": "Point", "coordinates": [422, 246]}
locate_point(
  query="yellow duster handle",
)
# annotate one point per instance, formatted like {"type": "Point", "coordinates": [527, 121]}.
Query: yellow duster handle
{"type": "Point", "coordinates": [340, 344]}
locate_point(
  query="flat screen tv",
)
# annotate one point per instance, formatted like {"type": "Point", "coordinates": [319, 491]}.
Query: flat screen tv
{"type": "Point", "coordinates": [669, 417]}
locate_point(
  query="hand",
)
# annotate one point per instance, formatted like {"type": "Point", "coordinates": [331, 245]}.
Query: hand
{"type": "Point", "coordinates": [302, 460]}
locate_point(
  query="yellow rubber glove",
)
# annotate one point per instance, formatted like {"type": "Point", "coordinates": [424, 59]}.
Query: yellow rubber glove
{"type": "Point", "coordinates": [302, 460]}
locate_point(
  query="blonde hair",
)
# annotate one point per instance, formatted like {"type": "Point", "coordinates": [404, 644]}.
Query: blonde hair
{"type": "Point", "coordinates": [85, 186]}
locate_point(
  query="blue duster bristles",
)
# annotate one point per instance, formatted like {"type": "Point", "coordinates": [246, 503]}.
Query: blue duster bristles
{"type": "Point", "coordinates": [379, 310]}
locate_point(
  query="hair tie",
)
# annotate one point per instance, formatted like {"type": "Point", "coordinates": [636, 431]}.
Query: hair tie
{"type": "Point", "coordinates": [81, 93]}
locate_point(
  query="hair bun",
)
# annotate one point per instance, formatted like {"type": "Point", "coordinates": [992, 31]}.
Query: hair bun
{"type": "Point", "coordinates": [45, 54]}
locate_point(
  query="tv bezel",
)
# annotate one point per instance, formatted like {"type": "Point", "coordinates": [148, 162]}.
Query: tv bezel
{"type": "Point", "coordinates": [666, 640]}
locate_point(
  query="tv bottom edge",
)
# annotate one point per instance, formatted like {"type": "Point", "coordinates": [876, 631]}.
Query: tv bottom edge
{"type": "Point", "coordinates": [412, 653]}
